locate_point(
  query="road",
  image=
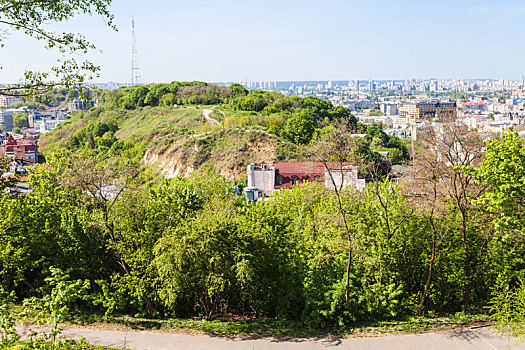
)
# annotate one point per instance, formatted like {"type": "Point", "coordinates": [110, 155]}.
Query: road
{"type": "Point", "coordinates": [459, 339]}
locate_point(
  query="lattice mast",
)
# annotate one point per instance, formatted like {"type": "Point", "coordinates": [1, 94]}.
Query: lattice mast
{"type": "Point", "coordinates": [135, 73]}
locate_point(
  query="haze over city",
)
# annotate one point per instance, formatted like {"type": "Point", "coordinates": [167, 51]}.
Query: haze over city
{"type": "Point", "coordinates": [295, 40]}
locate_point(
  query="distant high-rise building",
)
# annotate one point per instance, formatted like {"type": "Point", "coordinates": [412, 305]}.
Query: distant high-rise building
{"type": "Point", "coordinates": [433, 86]}
{"type": "Point", "coordinates": [371, 85]}
{"type": "Point", "coordinates": [388, 108]}
{"type": "Point", "coordinates": [6, 119]}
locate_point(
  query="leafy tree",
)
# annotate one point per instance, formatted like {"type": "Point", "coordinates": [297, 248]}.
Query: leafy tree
{"type": "Point", "coordinates": [395, 142]}
{"type": "Point", "coordinates": [53, 307]}
{"type": "Point", "coordinates": [202, 258]}
{"type": "Point", "coordinates": [238, 90]}
{"type": "Point", "coordinates": [110, 187]}
{"type": "Point", "coordinates": [377, 135]}
{"type": "Point", "coordinates": [156, 91]}
{"type": "Point", "coordinates": [168, 99]}
{"type": "Point", "coordinates": [255, 101]}
{"type": "Point", "coordinates": [319, 108]}
{"type": "Point", "coordinates": [20, 120]}
{"type": "Point", "coordinates": [508, 307]}
{"type": "Point", "coordinates": [300, 128]}
{"type": "Point", "coordinates": [8, 334]}
{"type": "Point", "coordinates": [343, 113]}
{"type": "Point", "coordinates": [31, 18]}
{"type": "Point", "coordinates": [138, 96]}
{"type": "Point", "coordinates": [394, 154]}
{"type": "Point", "coordinates": [503, 169]}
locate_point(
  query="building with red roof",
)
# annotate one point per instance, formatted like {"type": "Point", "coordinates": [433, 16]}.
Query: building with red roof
{"type": "Point", "coordinates": [24, 151]}
{"type": "Point", "coordinates": [264, 179]}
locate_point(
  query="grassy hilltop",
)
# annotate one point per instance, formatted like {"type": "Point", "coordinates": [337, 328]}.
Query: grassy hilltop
{"type": "Point", "coordinates": [172, 139]}
{"type": "Point", "coordinates": [181, 127]}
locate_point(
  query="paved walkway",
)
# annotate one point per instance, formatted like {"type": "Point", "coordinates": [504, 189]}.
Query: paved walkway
{"type": "Point", "coordinates": [460, 339]}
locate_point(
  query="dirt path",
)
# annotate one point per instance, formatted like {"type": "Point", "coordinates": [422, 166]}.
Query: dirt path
{"type": "Point", "coordinates": [206, 113]}
{"type": "Point", "coordinates": [459, 339]}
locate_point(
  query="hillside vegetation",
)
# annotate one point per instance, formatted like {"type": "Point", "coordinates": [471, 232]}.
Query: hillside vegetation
{"type": "Point", "coordinates": [181, 127]}
{"type": "Point", "coordinates": [446, 240]}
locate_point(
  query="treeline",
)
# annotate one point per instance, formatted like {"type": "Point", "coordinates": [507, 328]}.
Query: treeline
{"type": "Point", "coordinates": [443, 242]}
{"type": "Point", "coordinates": [175, 93]}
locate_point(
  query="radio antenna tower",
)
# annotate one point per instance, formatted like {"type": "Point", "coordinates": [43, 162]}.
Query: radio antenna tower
{"type": "Point", "coordinates": [135, 73]}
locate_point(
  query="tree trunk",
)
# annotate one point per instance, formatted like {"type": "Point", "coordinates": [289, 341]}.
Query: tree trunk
{"type": "Point", "coordinates": [348, 264]}
{"type": "Point", "coordinates": [466, 287]}
{"type": "Point", "coordinates": [149, 304]}
{"type": "Point", "coordinates": [347, 230]}
{"type": "Point", "coordinates": [430, 268]}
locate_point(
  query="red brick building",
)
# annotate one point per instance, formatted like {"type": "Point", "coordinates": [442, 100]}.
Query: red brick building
{"type": "Point", "coordinates": [267, 178]}
{"type": "Point", "coordinates": [25, 151]}
{"type": "Point", "coordinates": [290, 174]}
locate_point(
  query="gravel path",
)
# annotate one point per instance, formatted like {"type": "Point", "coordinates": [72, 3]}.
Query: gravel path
{"type": "Point", "coordinates": [459, 339]}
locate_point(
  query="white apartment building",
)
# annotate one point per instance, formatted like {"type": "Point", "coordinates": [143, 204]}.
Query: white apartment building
{"type": "Point", "coordinates": [7, 101]}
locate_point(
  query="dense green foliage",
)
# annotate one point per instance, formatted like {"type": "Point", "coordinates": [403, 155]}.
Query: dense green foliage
{"type": "Point", "coordinates": [53, 308]}
{"type": "Point", "coordinates": [447, 240]}
{"type": "Point", "coordinates": [192, 247]}
{"type": "Point", "coordinates": [503, 170]}
{"type": "Point", "coordinates": [20, 120]}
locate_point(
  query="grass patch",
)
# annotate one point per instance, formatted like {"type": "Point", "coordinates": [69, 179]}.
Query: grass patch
{"type": "Point", "coordinates": [62, 345]}
{"type": "Point", "coordinates": [272, 328]}
{"type": "Point", "coordinates": [217, 115]}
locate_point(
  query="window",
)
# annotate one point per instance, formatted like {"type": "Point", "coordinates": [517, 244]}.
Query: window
{"type": "Point", "coordinates": [306, 179]}
{"type": "Point", "coordinates": [279, 180]}
{"type": "Point", "coordinates": [294, 180]}
{"type": "Point", "coordinates": [317, 178]}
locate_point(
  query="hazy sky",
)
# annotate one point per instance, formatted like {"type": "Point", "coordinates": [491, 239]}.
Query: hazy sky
{"type": "Point", "coordinates": [232, 40]}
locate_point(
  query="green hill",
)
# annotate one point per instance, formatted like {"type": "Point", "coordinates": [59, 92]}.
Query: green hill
{"type": "Point", "coordinates": [181, 127]}
{"type": "Point", "coordinates": [174, 140]}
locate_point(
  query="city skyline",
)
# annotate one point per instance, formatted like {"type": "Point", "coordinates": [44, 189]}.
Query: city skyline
{"type": "Point", "coordinates": [295, 41]}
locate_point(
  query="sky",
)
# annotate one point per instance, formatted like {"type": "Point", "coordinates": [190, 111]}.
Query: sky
{"type": "Point", "coordinates": [286, 40]}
